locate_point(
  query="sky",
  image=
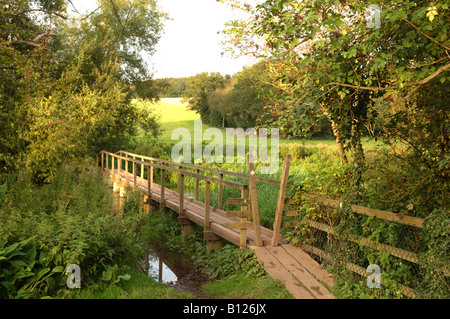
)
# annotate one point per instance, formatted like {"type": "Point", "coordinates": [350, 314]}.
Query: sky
{"type": "Point", "coordinates": [190, 43]}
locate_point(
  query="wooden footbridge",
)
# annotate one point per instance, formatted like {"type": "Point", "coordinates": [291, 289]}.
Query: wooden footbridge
{"type": "Point", "coordinates": [301, 275]}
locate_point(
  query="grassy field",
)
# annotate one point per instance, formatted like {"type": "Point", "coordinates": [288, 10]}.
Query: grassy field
{"type": "Point", "coordinates": [174, 114]}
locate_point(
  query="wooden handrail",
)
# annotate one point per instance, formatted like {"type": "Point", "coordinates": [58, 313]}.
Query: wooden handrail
{"type": "Point", "coordinates": [207, 169]}
{"type": "Point", "coordinates": [248, 192]}
{"type": "Point", "coordinates": [398, 218]}
{"type": "Point", "coordinates": [180, 171]}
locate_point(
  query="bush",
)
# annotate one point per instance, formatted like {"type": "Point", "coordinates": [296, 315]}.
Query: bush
{"type": "Point", "coordinates": [70, 221]}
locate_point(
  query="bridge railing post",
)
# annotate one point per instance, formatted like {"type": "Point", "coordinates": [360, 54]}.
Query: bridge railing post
{"type": "Point", "coordinates": [181, 193]}
{"type": "Point", "coordinates": [127, 173]}
{"type": "Point", "coordinates": [134, 175]}
{"type": "Point", "coordinates": [244, 208]}
{"type": "Point", "coordinates": [207, 226]}
{"type": "Point", "coordinates": [220, 200]}
{"type": "Point", "coordinates": [280, 202]}
{"type": "Point", "coordinates": [150, 176]}
{"type": "Point", "coordinates": [197, 185]}
{"type": "Point", "coordinates": [163, 173]}
{"type": "Point", "coordinates": [254, 200]}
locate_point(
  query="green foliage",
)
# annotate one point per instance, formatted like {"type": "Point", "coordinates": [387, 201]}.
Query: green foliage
{"type": "Point", "coordinates": [66, 93]}
{"type": "Point", "coordinates": [389, 81]}
{"type": "Point", "coordinates": [227, 261]}
{"type": "Point", "coordinates": [244, 286]}
{"type": "Point", "coordinates": [197, 89]}
{"type": "Point", "coordinates": [70, 221]}
{"type": "Point", "coordinates": [24, 274]}
{"type": "Point", "coordinates": [435, 260]}
{"type": "Point", "coordinates": [138, 286]}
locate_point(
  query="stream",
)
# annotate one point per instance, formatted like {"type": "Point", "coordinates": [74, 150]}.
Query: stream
{"type": "Point", "coordinates": [168, 267]}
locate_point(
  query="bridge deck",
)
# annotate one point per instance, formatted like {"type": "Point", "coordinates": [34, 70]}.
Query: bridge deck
{"type": "Point", "coordinates": [195, 211]}
{"type": "Point", "coordinates": [301, 275]}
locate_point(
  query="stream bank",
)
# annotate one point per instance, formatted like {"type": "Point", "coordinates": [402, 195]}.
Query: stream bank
{"type": "Point", "coordinates": [171, 268]}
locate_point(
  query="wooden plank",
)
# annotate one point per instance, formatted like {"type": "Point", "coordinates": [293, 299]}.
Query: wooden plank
{"type": "Point", "coordinates": [399, 218]}
{"type": "Point", "coordinates": [241, 225]}
{"type": "Point", "coordinates": [280, 202]}
{"type": "Point", "coordinates": [254, 200]}
{"type": "Point", "coordinates": [314, 287]}
{"type": "Point", "coordinates": [310, 264]}
{"type": "Point", "coordinates": [286, 225]}
{"type": "Point", "coordinates": [237, 201]}
{"type": "Point", "coordinates": [209, 235]}
{"type": "Point", "coordinates": [394, 251]}
{"type": "Point", "coordinates": [277, 271]}
{"type": "Point", "coordinates": [247, 214]}
{"type": "Point", "coordinates": [290, 213]}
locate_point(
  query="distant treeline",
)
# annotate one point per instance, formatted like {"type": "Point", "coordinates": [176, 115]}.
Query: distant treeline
{"type": "Point", "coordinates": [254, 97]}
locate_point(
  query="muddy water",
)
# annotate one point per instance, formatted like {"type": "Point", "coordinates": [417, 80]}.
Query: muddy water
{"type": "Point", "coordinates": [169, 267]}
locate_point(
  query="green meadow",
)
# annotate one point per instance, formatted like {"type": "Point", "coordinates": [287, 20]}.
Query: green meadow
{"type": "Point", "coordinates": [175, 114]}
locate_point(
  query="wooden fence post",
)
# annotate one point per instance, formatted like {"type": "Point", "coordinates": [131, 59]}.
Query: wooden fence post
{"type": "Point", "coordinates": [254, 200]}
{"type": "Point", "coordinates": [163, 173]}
{"type": "Point", "coordinates": [206, 221]}
{"type": "Point", "coordinates": [181, 193]}
{"type": "Point", "coordinates": [149, 184]}
{"type": "Point", "coordinates": [244, 207]}
{"type": "Point", "coordinates": [280, 202]}
{"type": "Point", "coordinates": [197, 182]}
{"type": "Point", "coordinates": [127, 174]}
{"type": "Point", "coordinates": [151, 172]}
{"type": "Point", "coordinates": [119, 169]}
{"type": "Point", "coordinates": [134, 174]}
{"type": "Point", "coordinates": [220, 200]}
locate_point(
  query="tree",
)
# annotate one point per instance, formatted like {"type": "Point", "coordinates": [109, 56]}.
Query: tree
{"type": "Point", "coordinates": [66, 86]}
{"type": "Point", "coordinates": [197, 89]}
{"type": "Point", "coordinates": [354, 70]}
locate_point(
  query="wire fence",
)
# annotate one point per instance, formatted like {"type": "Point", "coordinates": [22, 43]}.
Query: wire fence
{"type": "Point", "coordinates": [355, 240]}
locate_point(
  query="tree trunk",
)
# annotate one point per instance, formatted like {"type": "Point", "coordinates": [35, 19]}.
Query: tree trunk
{"type": "Point", "coordinates": [339, 144]}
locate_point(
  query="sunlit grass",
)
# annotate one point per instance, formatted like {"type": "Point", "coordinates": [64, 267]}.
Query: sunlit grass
{"type": "Point", "coordinates": [175, 114]}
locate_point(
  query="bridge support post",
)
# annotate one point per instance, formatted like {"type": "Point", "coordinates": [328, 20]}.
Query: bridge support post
{"type": "Point", "coordinates": [116, 186]}
{"type": "Point", "coordinates": [212, 241]}
{"type": "Point", "coordinates": [187, 227]}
